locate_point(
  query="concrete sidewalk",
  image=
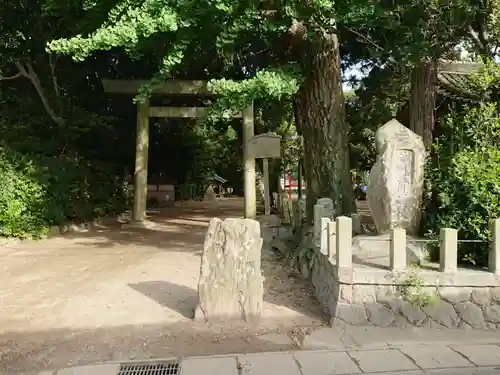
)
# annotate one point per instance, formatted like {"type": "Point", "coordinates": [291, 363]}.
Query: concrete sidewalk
{"type": "Point", "coordinates": [409, 359]}
{"type": "Point", "coordinates": [334, 351]}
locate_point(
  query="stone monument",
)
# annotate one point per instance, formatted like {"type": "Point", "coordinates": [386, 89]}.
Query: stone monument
{"type": "Point", "coordinates": [230, 286]}
{"type": "Point", "coordinates": [210, 194]}
{"type": "Point", "coordinates": [396, 179]}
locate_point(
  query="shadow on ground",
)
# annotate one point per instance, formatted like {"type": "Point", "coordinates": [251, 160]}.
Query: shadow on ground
{"type": "Point", "coordinates": [283, 287]}
{"type": "Point", "coordinates": [178, 228]}
{"type": "Point", "coordinates": [166, 294]}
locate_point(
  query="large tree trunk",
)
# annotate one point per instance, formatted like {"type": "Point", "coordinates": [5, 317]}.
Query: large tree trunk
{"type": "Point", "coordinates": [320, 118]}
{"type": "Point", "coordinates": [423, 100]}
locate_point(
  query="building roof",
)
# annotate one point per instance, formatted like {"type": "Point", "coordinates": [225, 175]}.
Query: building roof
{"type": "Point", "coordinates": [217, 178]}
{"type": "Point", "coordinates": [456, 80]}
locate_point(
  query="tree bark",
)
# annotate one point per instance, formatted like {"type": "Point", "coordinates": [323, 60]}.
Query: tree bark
{"type": "Point", "coordinates": [320, 117]}
{"type": "Point", "coordinates": [423, 100]}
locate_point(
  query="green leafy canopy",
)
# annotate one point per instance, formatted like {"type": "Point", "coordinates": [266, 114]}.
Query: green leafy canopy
{"type": "Point", "coordinates": [182, 24]}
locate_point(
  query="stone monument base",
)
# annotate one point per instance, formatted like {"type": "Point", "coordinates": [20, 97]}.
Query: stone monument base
{"type": "Point", "coordinates": [374, 250]}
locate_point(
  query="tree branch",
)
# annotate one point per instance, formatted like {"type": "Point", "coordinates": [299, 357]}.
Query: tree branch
{"type": "Point", "coordinates": [52, 65]}
{"type": "Point", "coordinates": [479, 40]}
{"type": "Point", "coordinates": [15, 76]}
{"type": "Point", "coordinates": [30, 73]}
{"type": "Point", "coordinates": [364, 37]}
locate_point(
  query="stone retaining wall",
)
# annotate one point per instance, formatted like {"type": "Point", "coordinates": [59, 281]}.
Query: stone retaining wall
{"type": "Point", "coordinates": [448, 297]}
{"type": "Point", "coordinates": [465, 308]}
{"type": "Point", "coordinates": [360, 303]}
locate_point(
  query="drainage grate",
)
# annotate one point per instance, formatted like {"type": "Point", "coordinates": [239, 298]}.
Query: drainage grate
{"type": "Point", "coordinates": [153, 368]}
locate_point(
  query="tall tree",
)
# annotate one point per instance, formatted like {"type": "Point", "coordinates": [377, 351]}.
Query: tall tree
{"type": "Point", "coordinates": [412, 37]}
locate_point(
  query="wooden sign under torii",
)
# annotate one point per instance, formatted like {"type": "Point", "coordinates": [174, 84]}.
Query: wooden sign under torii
{"type": "Point", "coordinates": [265, 146]}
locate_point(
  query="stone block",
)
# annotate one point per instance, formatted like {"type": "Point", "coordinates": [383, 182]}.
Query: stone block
{"type": "Point", "coordinates": [494, 255]}
{"type": "Point", "coordinates": [427, 357]}
{"type": "Point", "coordinates": [495, 294]}
{"type": "Point", "coordinates": [332, 241]}
{"type": "Point", "coordinates": [448, 250]}
{"type": "Point", "coordinates": [471, 314]}
{"type": "Point", "coordinates": [344, 242]}
{"type": "Point", "coordinates": [455, 294]}
{"type": "Point", "coordinates": [104, 369]}
{"type": "Point", "coordinates": [322, 209]}
{"type": "Point", "coordinates": [324, 235]}
{"type": "Point", "coordinates": [231, 284]}
{"type": "Point", "coordinates": [443, 313]}
{"type": "Point", "coordinates": [382, 360]}
{"type": "Point", "coordinates": [481, 296]}
{"type": "Point", "coordinates": [268, 363]}
{"type": "Point", "coordinates": [287, 209]}
{"type": "Point", "coordinates": [413, 314]}
{"type": "Point", "coordinates": [323, 338]}
{"type": "Point", "coordinates": [327, 204]}
{"type": "Point", "coordinates": [302, 209]}
{"type": "Point", "coordinates": [351, 314]}
{"type": "Point", "coordinates": [325, 363]}
{"type": "Point", "coordinates": [318, 212]}
{"type": "Point", "coordinates": [379, 315]}
{"type": "Point", "coordinates": [210, 195]}
{"type": "Point", "coordinates": [346, 294]}
{"type": "Point", "coordinates": [397, 252]}
{"type": "Point", "coordinates": [365, 246]}
{"type": "Point", "coordinates": [296, 219]}
{"type": "Point", "coordinates": [396, 179]}
{"type": "Point", "coordinates": [285, 233]}
{"type": "Point", "coordinates": [366, 294]}
{"type": "Point", "coordinates": [357, 227]}
{"type": "Point", "coordinates": [492, 314]}
{"type": "Point", "coordinates": [219, 366]}
{"type": "Point", "coordinates": [480, 355]}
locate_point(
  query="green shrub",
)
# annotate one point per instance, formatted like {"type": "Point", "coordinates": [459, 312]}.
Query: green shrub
{"type": "Point", "coordinates": [40, 191]}
{"type": "Point", "coordinates": [463, 176]}
{"type": "Point", "coordinates": [22, 196]}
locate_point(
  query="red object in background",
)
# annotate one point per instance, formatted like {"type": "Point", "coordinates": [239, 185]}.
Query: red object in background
{"type": "Point", "coordinates": [290, 184]}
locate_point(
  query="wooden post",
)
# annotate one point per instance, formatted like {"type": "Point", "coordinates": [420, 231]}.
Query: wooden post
{"type": "Point", "coordinates": [249, 165]}
{"type": "Point", "coordinates": [267, 189]}
{"type": "Point", "coordinates": [141, 163]}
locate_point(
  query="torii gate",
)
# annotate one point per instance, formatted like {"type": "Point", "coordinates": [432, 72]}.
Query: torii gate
{"type": "Point", "coordinates": [144, 112]}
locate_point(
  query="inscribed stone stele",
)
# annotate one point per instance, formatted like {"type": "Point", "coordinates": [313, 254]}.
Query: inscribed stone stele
{"type": "Point", "coordinates": [396, 179]}
{"type": "Point", "coordinates": [230, 285]}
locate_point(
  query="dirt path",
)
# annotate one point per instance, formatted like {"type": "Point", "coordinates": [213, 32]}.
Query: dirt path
{"type": "Point", "coordinates": [123, 293]}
